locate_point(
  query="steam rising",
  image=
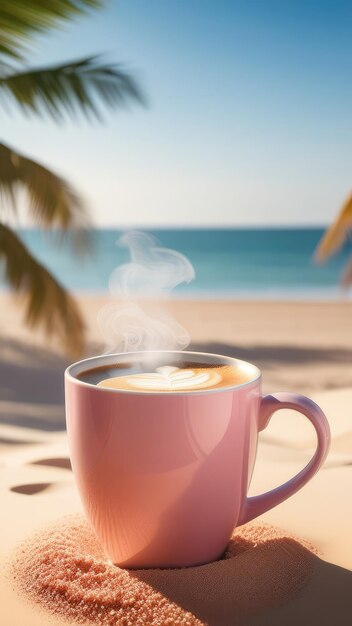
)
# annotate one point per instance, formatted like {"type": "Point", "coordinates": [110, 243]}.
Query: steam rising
{"type": "Point", "coordinates": [151, 274]}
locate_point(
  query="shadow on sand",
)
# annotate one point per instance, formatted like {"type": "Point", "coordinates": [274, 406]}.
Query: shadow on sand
{"type": "Point", "coordinates": [260, 588]}
{"type": "Point", "coordinates": [31, 386]}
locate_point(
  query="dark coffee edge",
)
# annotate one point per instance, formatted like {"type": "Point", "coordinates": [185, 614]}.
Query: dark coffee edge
{"type": "Point", "coordinates": [103, 368]}
{"type": "Point", "coordinates": [197, 365]}
{"type": "Point", "coordinates": [98, 371]}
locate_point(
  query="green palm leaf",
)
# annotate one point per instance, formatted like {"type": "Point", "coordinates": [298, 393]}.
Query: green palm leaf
{"type": "Point", "coordinates": [21, 19]}
{"type": "Point", "coordinates": [52, 201]}
{"type": "Point", "coordinates": [47, 303]}
{"type": "Point", "coordinates": [64, 90]}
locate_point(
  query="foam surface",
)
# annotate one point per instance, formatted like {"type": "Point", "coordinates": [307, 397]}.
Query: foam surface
{"type": "Point", "coordinates": [169, 378]}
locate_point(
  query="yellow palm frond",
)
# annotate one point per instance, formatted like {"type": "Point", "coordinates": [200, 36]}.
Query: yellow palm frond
{"type": "Point", "coordinates": [336, 235]}
{"type": "Point", "coordinates": [47, 303]}
{"type": "Point", "coordinates": [346, 278]}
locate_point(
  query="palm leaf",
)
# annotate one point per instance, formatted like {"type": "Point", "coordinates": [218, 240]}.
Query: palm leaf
{"type": "Point", "coordinates": [52, 201]}
{"type": "Point", "coordinates": [67, 89]}
{"type": "Point", "coordinates": [47, 302]}
{"type": "Point", "coordinates": [346, 278]}
{"type": "Point", "coordinates": [21, 19]}
{"type": "Point", "coordinates": [336, 235]}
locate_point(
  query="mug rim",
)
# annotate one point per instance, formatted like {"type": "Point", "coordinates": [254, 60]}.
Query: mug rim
{"type": "Point", "coordinates": [69, 376]}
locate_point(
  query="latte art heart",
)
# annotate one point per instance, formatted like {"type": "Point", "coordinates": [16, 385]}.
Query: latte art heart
{"type": "Point", "coordinates": [166, 378]}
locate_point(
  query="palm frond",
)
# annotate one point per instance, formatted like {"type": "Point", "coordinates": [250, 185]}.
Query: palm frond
{"type": "Point", "coordinates": [346, 277]}
{"type": "Point", "coordinates": [52, 201]}
{"type": "Point", "coordinates": [83, 86]}
{"type": "Point", "coordinates": [48, 305]}
{"type": "Point", "coordinates": [21, 19]}
{"type": "Point", "coordinates": [336, 235]}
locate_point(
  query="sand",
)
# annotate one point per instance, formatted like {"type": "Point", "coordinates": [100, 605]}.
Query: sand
{"type": "Point", "coordinates": [65, 571]}
{"type": "Point", "coordinates": [306, 347]}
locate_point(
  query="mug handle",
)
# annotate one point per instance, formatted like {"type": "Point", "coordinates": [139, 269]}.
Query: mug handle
{"type": "Point", "coordinates": [256, 505]}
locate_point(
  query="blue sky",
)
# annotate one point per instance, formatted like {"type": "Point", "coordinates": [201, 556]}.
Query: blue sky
{"type": "Point", "coordinates": [249, 119]}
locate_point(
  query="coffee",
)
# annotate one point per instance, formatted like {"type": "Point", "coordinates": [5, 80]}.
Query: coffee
{"type": "Point", "coordinates": [181, 376]}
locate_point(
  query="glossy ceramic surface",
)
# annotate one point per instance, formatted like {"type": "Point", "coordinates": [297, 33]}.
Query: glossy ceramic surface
{"type": "Point", "coordinates": [163, 477]}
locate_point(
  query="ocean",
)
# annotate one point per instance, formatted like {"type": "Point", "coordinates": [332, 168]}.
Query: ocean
{"type": "Point", "coordinates": [231, 263]}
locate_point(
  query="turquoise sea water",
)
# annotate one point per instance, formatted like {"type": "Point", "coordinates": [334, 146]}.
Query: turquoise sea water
{"type": "Point", "coordinates": [236, 263]}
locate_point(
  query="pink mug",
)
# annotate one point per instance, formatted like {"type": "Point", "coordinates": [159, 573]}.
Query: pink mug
{"type": "Point", "coordinates": [164, 476]}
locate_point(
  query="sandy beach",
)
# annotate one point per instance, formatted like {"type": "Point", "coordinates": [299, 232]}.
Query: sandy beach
{"type": "Point", "coordinates": [303, 347]}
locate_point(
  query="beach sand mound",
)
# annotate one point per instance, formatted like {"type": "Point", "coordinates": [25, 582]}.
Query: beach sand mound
{"type": "Point", "coordinates": [63, 569]}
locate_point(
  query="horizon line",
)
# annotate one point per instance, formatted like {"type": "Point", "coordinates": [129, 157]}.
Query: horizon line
{"type": "Point", "coordinates": [278, 226]}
